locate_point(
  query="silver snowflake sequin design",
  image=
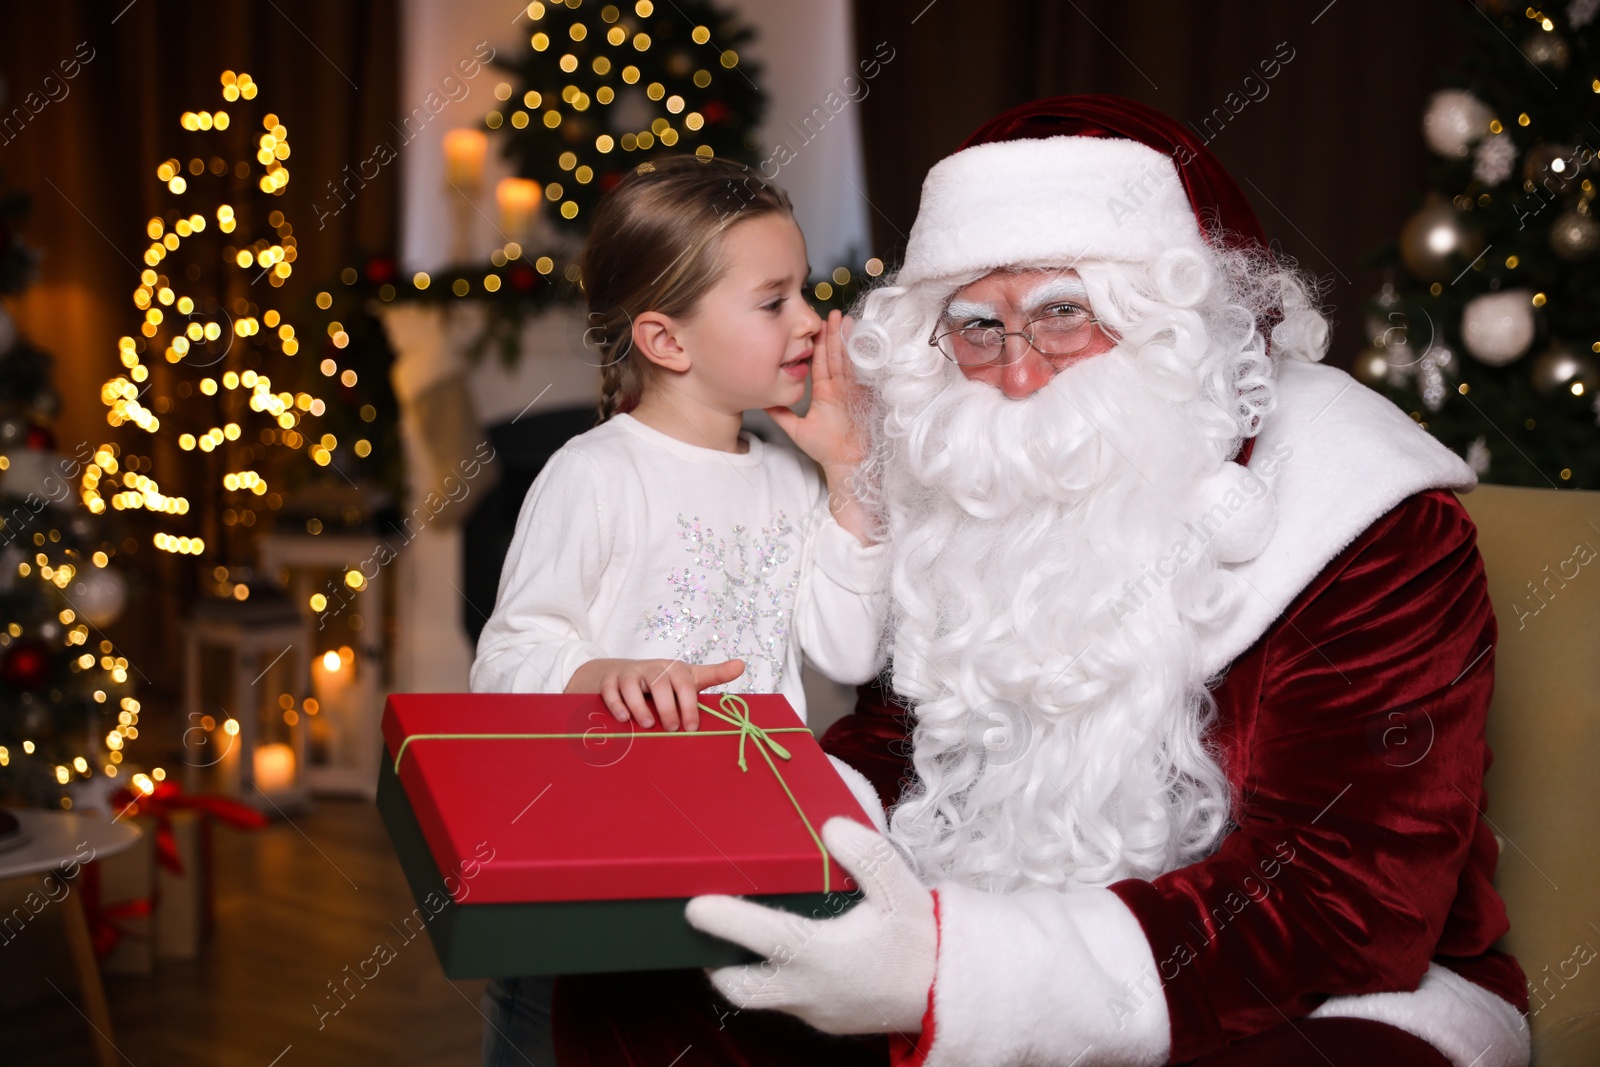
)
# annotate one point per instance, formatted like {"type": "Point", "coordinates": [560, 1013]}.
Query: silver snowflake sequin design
{"type": "Point", "coordinates": [1495, 158]}
{"type": "Point", "coordinates": [733, 601]}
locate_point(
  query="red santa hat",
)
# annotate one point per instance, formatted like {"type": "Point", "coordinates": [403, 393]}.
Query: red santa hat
{"type": "Point", "coordinates": [1070, 178]}
{"type": "Point", "coordinates": [1076, 177]}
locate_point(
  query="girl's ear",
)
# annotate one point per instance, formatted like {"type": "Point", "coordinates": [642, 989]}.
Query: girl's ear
{"type": "Point", "coordinates": [657, 337]}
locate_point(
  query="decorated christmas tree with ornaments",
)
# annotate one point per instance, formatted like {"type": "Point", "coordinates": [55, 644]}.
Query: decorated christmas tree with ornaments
{"type": "Point", "coordinates": [1488, 331]}
{"type": "Point", "coordinates": [67, 704]}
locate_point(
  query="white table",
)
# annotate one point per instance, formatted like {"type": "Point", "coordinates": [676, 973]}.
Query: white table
{"type": "Point", "coordinates": [60, 842]}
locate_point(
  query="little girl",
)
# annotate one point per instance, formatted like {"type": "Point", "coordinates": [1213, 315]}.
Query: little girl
{"type": "Point", "coordinates": [664, 552]}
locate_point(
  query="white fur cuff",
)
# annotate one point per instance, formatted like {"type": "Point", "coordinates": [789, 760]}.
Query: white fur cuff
{"type": "Point", "coordinates": [1044, 977]}
{"type": "Point", "coordinates": [1470, 1025]}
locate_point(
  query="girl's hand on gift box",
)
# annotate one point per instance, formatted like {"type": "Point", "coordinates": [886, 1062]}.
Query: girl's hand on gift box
{"type": "Point", "coordinates": [674, 685]}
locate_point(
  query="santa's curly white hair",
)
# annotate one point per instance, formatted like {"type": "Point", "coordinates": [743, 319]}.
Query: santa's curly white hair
{"type": "Point", "coordinates": [1060, 712]}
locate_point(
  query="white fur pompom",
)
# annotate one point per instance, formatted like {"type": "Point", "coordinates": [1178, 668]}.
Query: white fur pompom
{"type": "Point", "coordinates": [1237, 512]}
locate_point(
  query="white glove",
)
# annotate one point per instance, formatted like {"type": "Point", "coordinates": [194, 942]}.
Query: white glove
{"type": "Point", "coordinates": [867, 971]}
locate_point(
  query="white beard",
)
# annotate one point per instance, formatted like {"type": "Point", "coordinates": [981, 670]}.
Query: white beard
{"type": "Point", "coordinates": [1055, 675]}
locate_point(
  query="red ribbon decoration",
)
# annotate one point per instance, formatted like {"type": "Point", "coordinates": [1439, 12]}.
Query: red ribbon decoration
{"type": "Point", "coordinates": [169, 797]}
{"type": "Point", "coordinates": [105, 929]}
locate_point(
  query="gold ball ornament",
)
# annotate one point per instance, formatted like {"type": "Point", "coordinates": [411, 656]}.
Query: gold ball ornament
{"type": "Point", "coordinates": [1431, 240]}
{"type": "Point", "coordinates": [1574, 235]}
{"type": "Point", "coordinates": [1559, 366]}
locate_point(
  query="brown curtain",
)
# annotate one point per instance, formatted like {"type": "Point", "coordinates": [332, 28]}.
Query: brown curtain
{"type": "Point", "coordinates": [1329, 150]}
{"type": "Point", "coordinates": [88, 158]}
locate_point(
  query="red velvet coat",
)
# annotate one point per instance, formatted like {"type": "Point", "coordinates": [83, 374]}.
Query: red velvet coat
{"type": "Point", "coordinates": [1353, 739]}
{"type": "Point", "coordinates": [1347, 730]}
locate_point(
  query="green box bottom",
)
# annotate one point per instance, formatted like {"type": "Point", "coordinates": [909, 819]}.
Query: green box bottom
{"type": "Point", "coordinates": [562, 937]}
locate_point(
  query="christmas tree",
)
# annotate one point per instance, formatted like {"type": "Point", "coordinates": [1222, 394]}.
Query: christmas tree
{"type": "Point", "coordinates": [1488, 332]}
{"type": "Point", "coordinates": [601, 90]}
{"type": "Point", "coordinates": [67, 709]}
{"type": "Point", "coordinates": [208, 363]}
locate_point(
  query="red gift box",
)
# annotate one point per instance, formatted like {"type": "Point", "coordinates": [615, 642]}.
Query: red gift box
{"type": "Point", "coordinates": [545, 803]}
{"type": "Point", "coordinates": [610, 811]}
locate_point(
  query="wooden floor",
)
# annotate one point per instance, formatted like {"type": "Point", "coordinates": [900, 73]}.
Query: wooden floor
{"type": "Point", "coordinates": [295, 904]}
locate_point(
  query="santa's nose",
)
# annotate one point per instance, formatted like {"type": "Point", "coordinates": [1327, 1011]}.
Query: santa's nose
{"type": "Point", "coordinates": [1026, 374]}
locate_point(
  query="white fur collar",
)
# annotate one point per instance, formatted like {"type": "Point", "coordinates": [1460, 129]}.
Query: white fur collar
{"type": "Point", "coordinates": [1338, 457]}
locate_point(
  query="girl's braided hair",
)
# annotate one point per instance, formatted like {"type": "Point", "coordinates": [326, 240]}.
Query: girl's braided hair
{"type": "Point", "coordinates": [656, 245]}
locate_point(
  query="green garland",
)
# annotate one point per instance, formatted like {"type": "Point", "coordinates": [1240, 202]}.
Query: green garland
{"type": "Point", "coordinates": [511, 291]}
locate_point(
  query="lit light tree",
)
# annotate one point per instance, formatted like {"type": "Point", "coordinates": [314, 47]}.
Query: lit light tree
{"type": "Point", "coordinates": [208, 363]}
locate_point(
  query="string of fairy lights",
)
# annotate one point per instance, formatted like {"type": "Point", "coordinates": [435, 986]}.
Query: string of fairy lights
{"type": "Point", "coordinates": [203, 333]}
{"type": "Point", "coordinates": [661, 128]}
{"type": "Point", "coordinates": [633, 80]}
{"type": "Point", "coordinates": [112, 670]}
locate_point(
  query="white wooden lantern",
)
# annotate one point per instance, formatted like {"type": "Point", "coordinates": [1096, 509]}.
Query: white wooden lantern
{"type": "Point", "coordinates": [247, 674]}
{"type": "Point", "coordinates": [338, 584]}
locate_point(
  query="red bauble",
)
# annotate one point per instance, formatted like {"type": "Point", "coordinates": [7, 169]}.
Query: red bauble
{"type": "Point", "coordinates": [523, 279]}
{"type": "Point", "coordinates": [380, 269]}
{"type": "Point", "coordinates": [26, 665]}
{"type": "Point", "coordinates": [41, 437]}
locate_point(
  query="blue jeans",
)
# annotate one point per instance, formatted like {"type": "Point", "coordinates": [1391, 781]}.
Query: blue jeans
{"type": "Point", "coordinates": [517, 1031]}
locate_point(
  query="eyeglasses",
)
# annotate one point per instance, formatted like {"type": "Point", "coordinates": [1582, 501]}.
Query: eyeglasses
{"type": "Point", "coordinates": [1053, 337]}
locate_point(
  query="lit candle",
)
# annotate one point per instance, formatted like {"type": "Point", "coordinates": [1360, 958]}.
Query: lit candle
{"type": "Point", "coordinates": [464, 152]}
{"type": "Point", "coordinates": [518, 199]}
{"type": "Point", "coordinates": [331, 679]}
{"type": "Point", "coordinates": [274, 770]}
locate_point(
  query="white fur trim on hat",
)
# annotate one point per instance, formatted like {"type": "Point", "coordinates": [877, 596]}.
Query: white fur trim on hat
{"type": "Point", "coordinates": [1047, 202]}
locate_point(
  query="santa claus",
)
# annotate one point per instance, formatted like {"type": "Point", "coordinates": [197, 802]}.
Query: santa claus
{"type": "Point", "coordinates": [1196, 642]}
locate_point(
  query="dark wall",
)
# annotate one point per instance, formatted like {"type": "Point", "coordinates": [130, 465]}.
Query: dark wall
{"type": "Point", "coordinates": [1329, 150]}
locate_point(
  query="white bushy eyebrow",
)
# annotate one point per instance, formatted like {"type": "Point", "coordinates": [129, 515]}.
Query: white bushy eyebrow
{"type": "Point", "coordinates": [1055, 289]}
{"type": "Point", "coordinates": [963, 310]}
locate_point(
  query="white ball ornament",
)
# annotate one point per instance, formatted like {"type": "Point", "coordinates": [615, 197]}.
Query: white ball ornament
{"type": "Point", "coordinates": [99, 594]}
{"type": "Point", "coordinates": [1498, 327]}
{"type": "Point", "coordinates": [1454, 120]}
